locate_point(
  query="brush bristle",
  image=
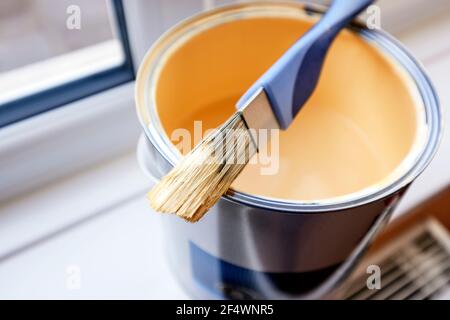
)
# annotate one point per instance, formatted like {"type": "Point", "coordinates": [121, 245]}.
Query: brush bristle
{"type": "Point", "coordinates": [205, 174]}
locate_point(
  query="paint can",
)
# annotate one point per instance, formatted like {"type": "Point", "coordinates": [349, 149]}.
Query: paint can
{"type": "Point", "coordinates": [253, 247]}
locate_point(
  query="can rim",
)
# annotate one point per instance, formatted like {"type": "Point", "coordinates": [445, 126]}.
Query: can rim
{"type": "Point", "coordinates": [388, 44]}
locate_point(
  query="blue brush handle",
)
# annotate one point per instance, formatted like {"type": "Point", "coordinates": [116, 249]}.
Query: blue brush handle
{"type": "Point", "coordinates": [292, 79]}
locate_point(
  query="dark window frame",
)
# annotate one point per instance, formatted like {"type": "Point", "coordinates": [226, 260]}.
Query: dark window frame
{"type": "Point", "coordinates": [31, 105]}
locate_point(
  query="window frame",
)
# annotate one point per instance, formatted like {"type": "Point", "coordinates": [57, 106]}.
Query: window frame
{"type": "Point", "coordinates": [65, 93]}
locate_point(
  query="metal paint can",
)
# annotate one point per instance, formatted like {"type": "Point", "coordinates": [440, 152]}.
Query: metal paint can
{"type": "Point", "coordinates": [252, 247]}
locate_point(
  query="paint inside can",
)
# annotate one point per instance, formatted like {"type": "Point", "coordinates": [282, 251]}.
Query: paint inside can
{"type": "Point", "coordinates": [354, 135]}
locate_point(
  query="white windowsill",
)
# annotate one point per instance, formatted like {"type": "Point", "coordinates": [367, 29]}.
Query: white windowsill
{"type": "Point", "coordinates": [60, 142]}
{"type": "Point", "coordinates": [97, 221]}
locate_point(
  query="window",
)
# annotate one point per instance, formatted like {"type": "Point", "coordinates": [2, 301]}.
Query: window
{"type": "Point", "coordinates": [55, 52]}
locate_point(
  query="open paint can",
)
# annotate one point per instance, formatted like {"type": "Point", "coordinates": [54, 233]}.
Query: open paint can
{"type": "Point", "coordinates": [370, 129]}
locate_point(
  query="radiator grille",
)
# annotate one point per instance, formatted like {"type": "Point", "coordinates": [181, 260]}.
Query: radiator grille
{"type": "Point", "coordinates": [417, 267]}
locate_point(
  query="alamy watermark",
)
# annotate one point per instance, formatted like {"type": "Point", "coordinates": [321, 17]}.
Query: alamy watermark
{"type": "Point", "coordinates": [73, 21]}
{"type": "Point", "coordinates": [73, 277]}
{"type": "Point", "coordinates": [373, 21]}
{"type": "Point", "coordinates": [226, 143]}
{"type": "Point", "coordinates": [373, 282]}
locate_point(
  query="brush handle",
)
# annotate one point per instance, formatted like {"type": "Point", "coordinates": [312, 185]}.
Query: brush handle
{"type": "Point", "coordinates": [292, 79]}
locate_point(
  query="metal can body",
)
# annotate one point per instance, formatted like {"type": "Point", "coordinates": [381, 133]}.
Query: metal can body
{"type": "Point", "coordinates": [251, 247]}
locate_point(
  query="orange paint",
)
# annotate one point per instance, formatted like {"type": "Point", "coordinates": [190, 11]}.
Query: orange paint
{"type": "Point", "coordinates": [356, 129]}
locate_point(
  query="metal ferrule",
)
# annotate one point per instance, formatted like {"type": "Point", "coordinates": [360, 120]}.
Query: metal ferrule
{"type": "Point", "coordinates": [258, 115]}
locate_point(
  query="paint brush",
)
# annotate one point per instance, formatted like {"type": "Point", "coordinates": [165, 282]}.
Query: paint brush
{"type": "Point", "coordinates": [194, 185]}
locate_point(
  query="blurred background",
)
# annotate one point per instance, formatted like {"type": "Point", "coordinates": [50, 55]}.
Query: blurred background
{"type": "Point", "coordinates": [29, 33]}
{"type": "Point", "coordinates": [74, 222]}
